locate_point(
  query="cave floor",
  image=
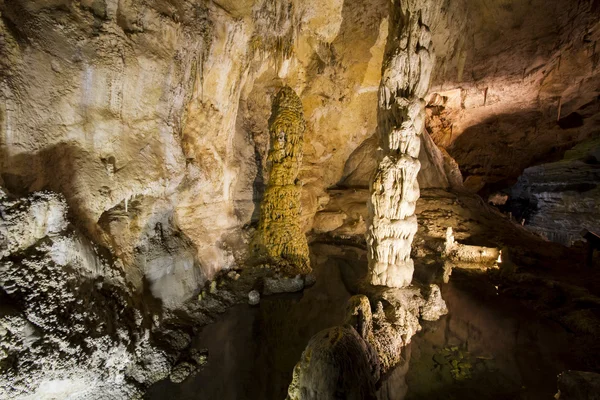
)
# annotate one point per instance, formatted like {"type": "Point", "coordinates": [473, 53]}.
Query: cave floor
{"type": "Point", "coordinates": [488, 344]}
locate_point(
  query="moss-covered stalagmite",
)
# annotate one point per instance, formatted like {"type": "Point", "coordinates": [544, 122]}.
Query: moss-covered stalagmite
{"type": "Point", "coordinates": [280, 235]}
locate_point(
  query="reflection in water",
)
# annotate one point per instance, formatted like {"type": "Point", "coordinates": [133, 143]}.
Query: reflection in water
{"type": "Point", "coordinates": [253, 350]}
{"type": "Point", "coordinates": [486, 345]}
{"type": "Point", "coordinates": [393, 386]}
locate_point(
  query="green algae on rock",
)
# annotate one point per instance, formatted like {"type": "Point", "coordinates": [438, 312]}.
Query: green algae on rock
{"type": "Point", "coordinates": [279, 236]}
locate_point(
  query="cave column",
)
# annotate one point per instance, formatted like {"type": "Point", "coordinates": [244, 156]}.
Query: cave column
{"type": "Point", "coordinates": [280, 235]}
{"type": "Point", "coordinates": [406, 73]}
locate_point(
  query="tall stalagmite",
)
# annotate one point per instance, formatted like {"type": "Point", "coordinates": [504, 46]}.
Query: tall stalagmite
{"type": "Point", "coordinates": [405, 80]}
{"type": "Point", "coordinates": [280, 235]}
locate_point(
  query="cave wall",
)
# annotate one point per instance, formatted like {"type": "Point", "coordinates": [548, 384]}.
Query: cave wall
{"type": "Point", "coordinates": [150, 117]}
{"type": "Point", "coordinates": [558, 200]}
{"type": "Point", "coordinates": [518, 85]}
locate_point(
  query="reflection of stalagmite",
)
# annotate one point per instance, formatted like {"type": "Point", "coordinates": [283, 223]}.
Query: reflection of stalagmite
{"type": "Point", "coordinates": [394, 190]}
{"type": "Point", "coordinates": [463, 256]}
{"type": "Point", "coordinates": [279, 232]}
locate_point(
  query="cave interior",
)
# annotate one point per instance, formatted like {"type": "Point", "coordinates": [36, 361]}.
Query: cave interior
{"type": "Point", "coordinates": [299, 199]}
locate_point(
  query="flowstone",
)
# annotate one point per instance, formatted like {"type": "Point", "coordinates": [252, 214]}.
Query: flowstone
{"type": "Point", "coordinates": [279, 235]}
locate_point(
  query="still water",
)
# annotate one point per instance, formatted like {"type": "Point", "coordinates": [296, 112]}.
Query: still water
{"type": "Point", "coordinates": [487, 347]}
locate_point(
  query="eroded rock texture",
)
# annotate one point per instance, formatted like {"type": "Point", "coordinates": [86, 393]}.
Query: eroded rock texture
{"type": "Point", "coordinates": [348, 361]}
{"type": "Point", "coordinates": [69, 324]}
{"type": "Point", "coordinates": [335, 364]}
{"type": "Point", "coordinates": [279, 230]}
{"type": "Point", "coordinates": [395, 190]}
{"type": "Point", "coordinates": [151, 118]}
{"type": "Point", "coordinates": [559, 200]}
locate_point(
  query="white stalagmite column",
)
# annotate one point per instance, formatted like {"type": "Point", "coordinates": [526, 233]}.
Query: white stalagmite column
{"type": "Point", "coordinates": [406, 73]}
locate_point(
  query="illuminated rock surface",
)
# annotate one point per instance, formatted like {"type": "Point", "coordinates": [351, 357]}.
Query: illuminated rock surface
{"type": "Point", "coordinates": [70, 327]}
{"type": "Point", "coordinates": [135, 154]}
{"type": "Point", "coordinates": [407, 67]}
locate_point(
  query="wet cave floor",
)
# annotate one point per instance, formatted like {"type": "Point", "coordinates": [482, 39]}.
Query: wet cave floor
{"type": "Point", "coordinates": [488, 346]}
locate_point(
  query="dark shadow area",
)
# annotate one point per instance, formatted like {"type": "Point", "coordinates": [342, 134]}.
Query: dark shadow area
{"type": "Point", "coordinates": [56, 168]}
{"type": "Point", "coordinates": [252, 350]}
{"type": "Point", "coordinates": [487, 347]}
{"type": "Point", "coordinates": [497, 150]}
{"type": "Point", "coordinates": [573, 120]}
{"type": "Point", "coordinates": [487, 149]}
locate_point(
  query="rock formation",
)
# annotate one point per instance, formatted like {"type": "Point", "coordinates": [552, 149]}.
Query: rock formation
{"type": "Point", "coordinates": [349, 360]}
{"type": "Point", "coordinates": [147, 123]}
{"type": "Point", "coordinates": [558, 200]}
{"type": "Point", "coordinates": [335, 364]}
{"type": "Point", "coordinates": [395, 190]}
{"type": "Point", "coordinates": [457, 255]}
{"type": "Point", "coordinates": [279, 229]}
{"type": "Point", "coordinates": [69, 324]}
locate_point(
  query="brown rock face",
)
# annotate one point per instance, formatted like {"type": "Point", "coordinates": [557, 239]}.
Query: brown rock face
{"type": "Point", "coordinates": [518, 87]}
{"type": "Point", "coordinates": [151, 117]}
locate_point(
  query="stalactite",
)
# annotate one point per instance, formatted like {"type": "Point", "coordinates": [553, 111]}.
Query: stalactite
{"type": "Point", "coordinates": [276, 30]}
{"type": "Point", "coordinates": [280, 235]}
{"type": "Point", "coordinates": [401, 115]}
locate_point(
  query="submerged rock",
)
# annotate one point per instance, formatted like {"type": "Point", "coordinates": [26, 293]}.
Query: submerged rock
{"type": "Point", "coordinates": [182, 371]}
{"type": "Point", "coordinates": [434, 306]}
{"type": "Point", "coordinates": [347, 361]}
{"type": "Point", "coordinates": [578, 385]}
{"type": "Point", "coordinates": [253, 297]}
{"type": "Point", "coordinates": [284, 285]}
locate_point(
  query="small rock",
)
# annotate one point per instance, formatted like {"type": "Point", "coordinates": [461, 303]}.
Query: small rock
{"type": "Point", "coordinates": [284, 285]}
{"type": "Point", "coordinates": [200, 357]}
{"type": "Point", "coordinates": [253, 298]}
{"type": "Point", "coordinates": [435, 306]}
{"type": "Point", "coordinates": [213, 287]}
{"type": "Point", "coordinates": [233, 275]}
{"type": "Point", "coordinates": [181, 372]}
